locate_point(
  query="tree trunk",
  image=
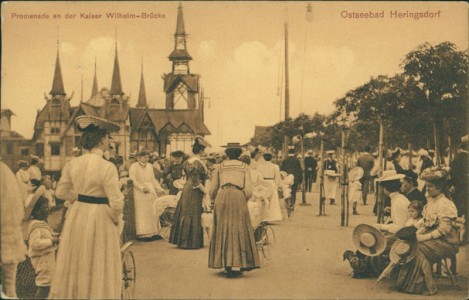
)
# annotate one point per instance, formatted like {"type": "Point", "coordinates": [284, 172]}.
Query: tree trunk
{"type": "Point", "coordinates": [409, 147]}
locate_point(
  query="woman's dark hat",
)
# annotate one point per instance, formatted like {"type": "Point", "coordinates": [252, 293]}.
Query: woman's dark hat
{"type": "Point", "coordinates": [177, 153]}
{"type": "Point", "coordinates": [85, 121]}
{"type": "Point", "coordinates": [369, 240]}
{"type": "Point", "coordinates": [202, 141]}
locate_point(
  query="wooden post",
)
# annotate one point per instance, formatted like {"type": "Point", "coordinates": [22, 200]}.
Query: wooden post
{"type": "Point", "coordinates": [379, 194]}
{"type": "Point", "coordinates": [322, 196]}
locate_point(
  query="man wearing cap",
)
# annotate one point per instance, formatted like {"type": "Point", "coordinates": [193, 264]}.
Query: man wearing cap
{"type": "Point", "coordinates": [292, 165]}
{"type": "Point", "coordinates": [34, 172]}
{"type": "Point", "coordinates": [311, 165]}
{"type": "Point", "coordinates": [146, 190]}
{"type": "Point", "coordinates": [366, 162]}
{"type": "Point", "coordinates": [330, 182]}
{"type": "Point", "coordinates": [459, 173]}
{"type": "Point", "coordinates": [23, 179]}
{"type": "Point", "coordinates": [175, 171]}
{"type": "Point", "coordinates": [409, 188]}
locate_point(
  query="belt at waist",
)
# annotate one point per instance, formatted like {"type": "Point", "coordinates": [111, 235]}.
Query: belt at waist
{"type": "Point", "coordinates": [93, 200]}
{"type": "Point", "coordinates": [229, 185]}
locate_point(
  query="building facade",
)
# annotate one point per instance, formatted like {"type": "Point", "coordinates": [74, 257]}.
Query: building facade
{"type": "Point", "coordinates": [163, 130]}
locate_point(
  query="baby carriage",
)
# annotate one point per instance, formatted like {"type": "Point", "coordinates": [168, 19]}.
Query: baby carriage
{"type": "Point", "coordinates": [287, 180]}
{"type": "Point", "coordinates": [263, 232]}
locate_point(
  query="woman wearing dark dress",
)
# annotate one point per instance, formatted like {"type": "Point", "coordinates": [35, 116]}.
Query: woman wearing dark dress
{"type": "Point", "coordinates": [186, 231]}
{"type": "Point", "coordinates": [438, 238]}
{"type": "Point", "coordinates": [232, 245]}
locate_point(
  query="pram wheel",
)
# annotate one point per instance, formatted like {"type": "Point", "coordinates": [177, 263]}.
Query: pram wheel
{"type": "Point", "coordinates": [166, 222]}
{"type": "Point", "coordinates": [265, 241]}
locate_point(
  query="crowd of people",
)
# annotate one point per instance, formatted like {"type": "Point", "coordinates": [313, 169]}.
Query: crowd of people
{"type": "Point", "coordinates": [241, 187]}
{"type": "Point", "coordinates": [424, 225]}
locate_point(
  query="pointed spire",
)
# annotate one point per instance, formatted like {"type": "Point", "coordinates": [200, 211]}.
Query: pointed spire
{"type": "Point", "coordinates": [180, 22]}
{"type": "Point", "coordinates": [142, 97]}
{"type": "Point", "coordinates": [116, 86]}
{"type": "Point", "coordinates": [57, 83]}
{"type": "Point", "coordinates": [95, 89]}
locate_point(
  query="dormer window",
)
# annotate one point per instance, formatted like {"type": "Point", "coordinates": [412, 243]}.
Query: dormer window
{"type": "Point", "coordinates": [55, 103]}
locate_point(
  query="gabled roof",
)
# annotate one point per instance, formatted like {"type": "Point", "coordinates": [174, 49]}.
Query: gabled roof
{"type": "Point", "coordinates": [172, 80]}
{"type": "Point", "coordinates": [175, 118]}
{"type": "Point", "coordinates": [47, 113]}
{"type": "Point", "coordinates": [11, 135]}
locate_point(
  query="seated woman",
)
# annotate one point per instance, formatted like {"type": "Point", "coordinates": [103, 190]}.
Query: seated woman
{"type": "Point", "coordinates": [437, 239]}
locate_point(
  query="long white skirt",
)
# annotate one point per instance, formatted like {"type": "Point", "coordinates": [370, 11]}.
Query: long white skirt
{"type": "Point", "coordinates": [89, 259]}
{"type": "Point", "coordinates": [330, 187]}
{"type": "Point", "coordinates": [145, 219]}
{"type": "Point", "coordinates": [273, 212]}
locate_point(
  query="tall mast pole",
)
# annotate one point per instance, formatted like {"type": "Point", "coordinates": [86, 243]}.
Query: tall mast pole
{"type": "Point", "coordinates": [287, 91]}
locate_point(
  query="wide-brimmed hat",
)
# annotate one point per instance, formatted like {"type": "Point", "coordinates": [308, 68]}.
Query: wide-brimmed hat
{"type": "Point", "coordinates": [155, 155]}
{"type": "Point", "coordinates": [390, 175]}
{"type": "Point", "coordinates": [369, 240]}
{"type": "Point", "coordinates": [31, 201]}
{"type": "Point", "coordinates": [202, 141]}
{"type": "Point", "coordinates": [179, 183]}
{"type": "Point", "coordinates": [355, 174]}
{"type": "Point", "coordinates": [177, 153]}
{"type": "Point", "coordinates": [310, 152]}
{"type": "Point", "coordinates": [232, 145]}
{"type": "Point", "coordinates": [22, 163]}
{"type": "Point", "coordinates": [435, 173]}
{"type": "Point", "coordinates": [85, 121]}
{"type": "Point", "coordinates": [143, 152]}
{"type": "Point", "coordinates": [403, 251]}
{"type": "Point", "coordinates": [35, 159]}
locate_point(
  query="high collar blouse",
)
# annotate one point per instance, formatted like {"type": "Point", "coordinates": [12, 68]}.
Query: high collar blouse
{"type": "Point", "coordinates": [439, 213]}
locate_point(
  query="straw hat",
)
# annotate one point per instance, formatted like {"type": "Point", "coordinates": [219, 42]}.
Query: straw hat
{"type": "Point", "coordinates": [355, 174]}
{"type": "Point", "coordinates": [143, 152]}
{"type": "Point", "coordinates": [132, 154]}
{"type": "Point", "coordinates": [390, 175]}
{"type": "Point", "coordinates": [330, 151]}
{"type": "Point", "coordinates": [179, 183]}
{"type": "Point", "coordinates": [35, 159]}
{"type": "Point", "coordinates": [369, 240]}
{"type": "Point", "coordinates": [232, 145]}
{"type": "Point", "coordinates": [85, 121]}
{"type": "Point", "coordinates": [403, 251]}
{"type": "Point", "coordinates": [31, 202]}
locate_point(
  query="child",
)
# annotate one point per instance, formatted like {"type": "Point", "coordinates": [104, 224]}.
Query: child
{"type": "Point", "coordinates": [355, 187]}
{"type": "Point", "coordinates": [415, 214]}
{"type": "Point", "coordinates": [41, 240]}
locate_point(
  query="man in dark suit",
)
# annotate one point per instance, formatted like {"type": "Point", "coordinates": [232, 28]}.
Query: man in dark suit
{"type": "Point", "coordinates": [310, 170]}
{"type": "Point", "coordinates": [292, 165]}
{"type": "Point", "coordinates": [459, 173]}
{"type": "Point", "coordinates": [409, 188]}
{"type": "Point", "coordinates": [366, 162]}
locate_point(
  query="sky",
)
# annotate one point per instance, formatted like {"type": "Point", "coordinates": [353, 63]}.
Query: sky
{"type": "Point", "coordinates": [237, 48]}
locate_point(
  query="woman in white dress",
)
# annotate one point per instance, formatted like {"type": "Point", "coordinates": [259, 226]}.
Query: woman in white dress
{"type": "Point", "coordinates": [89, 259]}
{"type": "Point", "coordinates": [271, 174]}
{"type": "Point", "coordinates": [146, 190]}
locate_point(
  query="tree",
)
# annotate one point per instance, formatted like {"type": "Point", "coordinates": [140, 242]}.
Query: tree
{"type": "Point", "coordinates": [441, 73]}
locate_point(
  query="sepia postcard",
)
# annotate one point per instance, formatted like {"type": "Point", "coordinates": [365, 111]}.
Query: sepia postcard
{"type": "Point", "coordinates": [190, 79]}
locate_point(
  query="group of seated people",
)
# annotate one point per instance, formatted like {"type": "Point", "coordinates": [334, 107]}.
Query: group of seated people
{"type": "Point", "coordinates": [435, 237]}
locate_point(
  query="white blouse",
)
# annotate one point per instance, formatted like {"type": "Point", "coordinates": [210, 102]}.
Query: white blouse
{"type": "Point", "coordinates": [270, 171]}
{"type": "Point", "coordinates": [91, 175]}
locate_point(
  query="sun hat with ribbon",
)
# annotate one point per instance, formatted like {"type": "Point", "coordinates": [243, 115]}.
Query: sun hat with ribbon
{"type": "Point", "coordinates": [85, 121]}
{"type": "Point", "coordinates": [31, 201]}
{"type": "Point", "coordinates": [403, 251]}
{"type": "Point", "coordinates": [369, 240]}
{"type": "Point", "coordinates": [390, 175]}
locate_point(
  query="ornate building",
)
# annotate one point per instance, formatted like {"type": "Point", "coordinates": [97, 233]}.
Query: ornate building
{"type": "Point", "coordinates": [13, 146]}
{"type": "Point", "coordinates": [161, 130]}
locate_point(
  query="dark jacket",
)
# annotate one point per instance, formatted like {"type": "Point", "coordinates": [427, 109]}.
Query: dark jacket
{"type": "Point", "coordinates": [426, 163]}
{"type": "Point", "coordinates": [292, 165]}
{"type": "Point", "coordinates": [417, 195]}
{"type": "Point", "coordinates": [366, 162]}
{"type": "Point", "coordinates": [330, 165]}
{"type": "Point", "coordinates": [310, 164]}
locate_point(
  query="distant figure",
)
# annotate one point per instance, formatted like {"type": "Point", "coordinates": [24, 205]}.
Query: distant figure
{"type": "Point", "coordinates": [271, 174]}
{"type": "Point", "coordinates": [22, 177]}
{"type": "Point", "coordinates": [459, 177]}
{"type": "Point", "coordinates": [311, 165]}
{"type": "Point", "coordinates": [174, 172]}
{"type": "Point", "coordinates": [34, 171]}
{"type": "Point", "coordinates": [366, 162]}
{"type": "Point", "coordinates": [330, 178]}
{"type": "Point", "coordinates": [292, 165]}
{"type": "Point", "coordinates": [409, 188]}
